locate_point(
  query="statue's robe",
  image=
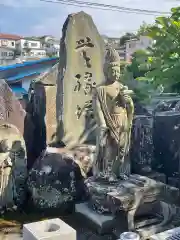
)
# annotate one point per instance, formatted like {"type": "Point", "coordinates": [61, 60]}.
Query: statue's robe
{"type": "Point", "coordinates": [112, 156]}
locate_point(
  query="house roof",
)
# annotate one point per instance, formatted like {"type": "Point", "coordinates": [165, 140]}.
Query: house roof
{"type": "Point", "coordinates": [32, 38]}
{"type": "Point", "coordinates": [9, 36]}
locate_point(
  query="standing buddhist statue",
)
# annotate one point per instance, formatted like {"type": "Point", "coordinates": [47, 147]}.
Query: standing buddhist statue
{"type": "Point", "coordinates": [113, 109]}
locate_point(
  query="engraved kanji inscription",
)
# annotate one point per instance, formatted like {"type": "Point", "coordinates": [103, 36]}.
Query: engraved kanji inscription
{"type": "Point", "coordinates": [77, 87]}
{"type": "Point", "coordinates": [89, 85]}
{"type": "Point", "coordinates": [87, 59]}
{"type": "Point", "coordinates": [86, 110]}
{"type": "Point", "coordinates": [84, 43]}
{"type": "Point", "coordinates": [79, 111]}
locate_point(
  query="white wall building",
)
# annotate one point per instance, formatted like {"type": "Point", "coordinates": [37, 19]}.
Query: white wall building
{"type": "Point", "coordinates": [7, 47]}
{"type": "Point", "coordinates": [30, 47]}
{"type": "Point", "coordinates": [133, 45]}
{"type": "Point", "coordinates": [51, 45]}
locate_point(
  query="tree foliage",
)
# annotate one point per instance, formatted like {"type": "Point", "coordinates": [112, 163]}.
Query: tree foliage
{"type": "Point", "coordinates": [144, 29]}
{"type": "Point", "coordinates": [126, 37]}
{"type": "Point", "coordinates": [164, 56]}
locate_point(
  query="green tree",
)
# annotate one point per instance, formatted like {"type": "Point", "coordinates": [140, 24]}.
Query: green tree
{"type": "Point", "coordinates": [126, 37]}
{"type": "Point", "coordinates": [144, 29]}
{"type": "Point", "coordinates": [138, 68]}
{"type": "Point", "coordinates": [164, 56]}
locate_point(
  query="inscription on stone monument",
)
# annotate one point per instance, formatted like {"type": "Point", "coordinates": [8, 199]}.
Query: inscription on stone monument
{"type": "Point", "coordinates": [82, 59]}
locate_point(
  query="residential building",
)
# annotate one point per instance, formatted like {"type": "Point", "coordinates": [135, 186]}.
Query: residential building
{"type": "Point", "coordinates": [141, 43]}
{"type": "Point", "coordinates": [8, 47]}
{"type": "Point", "coordinates": [30, 47]}
{"type": "Point", "coordinates": [115, 43]}
{"type": "Point", "coordinates": [51, 45]}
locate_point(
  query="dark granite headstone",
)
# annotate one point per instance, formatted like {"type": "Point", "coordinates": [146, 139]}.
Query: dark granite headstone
{"type": "Point", "coordinates": [142, 147]}
{"type": "Point", "coordinates": [166, 141]}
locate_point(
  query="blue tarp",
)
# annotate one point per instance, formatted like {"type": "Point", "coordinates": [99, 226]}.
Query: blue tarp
{"type": "Point", "coordinates": [21, 76]}
{"type": "Point", "coordinates": [29, 63]}
{"type": "Point", "coordinates": [23, 69]}
{"type": "Point", "coordinates": [19, 90]}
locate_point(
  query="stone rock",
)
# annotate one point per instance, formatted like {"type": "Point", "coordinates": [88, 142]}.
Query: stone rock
{"type": "Point", "coordinates": [11, 110]}
{"type": "Point", "coordinates": [142, 147]}
{"type": "Point", "coordinates": [43, 108]}
{"type": "Point", "coordinates": [80, 70]}
{"type": "Point", "coordinates": [164, 106]}
{"type": "Point", "coordinates": [55, 180]}
{"type": "Point", "coordinates": [13, 167]}
{"type": "Point", "coordinates": [166, 142]}
{"type": "Point", "coordinates": [84, 156]}
{"type": "Point", "coordinates": [102, 223]}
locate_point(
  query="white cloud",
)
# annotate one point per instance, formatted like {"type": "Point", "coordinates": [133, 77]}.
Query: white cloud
{"type": "Point", "coordinates": [111, 23]}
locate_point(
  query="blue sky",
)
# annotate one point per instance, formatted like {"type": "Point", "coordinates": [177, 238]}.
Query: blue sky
{"type": "Point", "coordinates": [33, 17]}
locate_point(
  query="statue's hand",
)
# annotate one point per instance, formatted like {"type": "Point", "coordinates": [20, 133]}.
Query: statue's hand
{"type": "Point", "coordinates": [127, 98]}
{"type": "Point", "coordinates": [103, 136]}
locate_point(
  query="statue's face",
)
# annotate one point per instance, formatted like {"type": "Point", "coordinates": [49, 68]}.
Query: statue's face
{"type": "Point", "coordinates": [114, 73]}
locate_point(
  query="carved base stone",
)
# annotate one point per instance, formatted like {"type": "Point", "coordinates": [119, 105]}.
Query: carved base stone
{"type": "Point", "coordinates": [127, 198]}
{"type": "Point", "coordinates": [100, 222]}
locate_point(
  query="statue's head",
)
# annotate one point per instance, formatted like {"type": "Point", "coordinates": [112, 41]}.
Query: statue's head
{"type": "Point", "coordinates": [112, 65]}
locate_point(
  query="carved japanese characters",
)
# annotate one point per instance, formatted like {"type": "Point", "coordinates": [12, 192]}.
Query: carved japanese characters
{"type": "Point", "coordinates": [80, 71]}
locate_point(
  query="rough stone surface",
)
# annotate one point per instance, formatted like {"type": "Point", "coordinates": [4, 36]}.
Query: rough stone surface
{"type": "Point", "coordinates": [102, 223]}
{"type": "Point", "coordinates": [142, 147]}
{"type": "Point", "coordinates": [51, 229]}
{"type": "Point", "coordinates": [11, 110]}
{"type": "Point", "coordinates": [55, 180]}
{"type": "Point", "coordinates": [13, 167]}
{"type": "Point", "coordinates": [42, 107]}
{"type": "Point", "coordinates": [80, 70]}
{"type": "Point", "coordinates": [166, 142]}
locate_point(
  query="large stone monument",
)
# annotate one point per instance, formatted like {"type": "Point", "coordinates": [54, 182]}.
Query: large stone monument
{"type": "Point", "coordinates": [80, 70]}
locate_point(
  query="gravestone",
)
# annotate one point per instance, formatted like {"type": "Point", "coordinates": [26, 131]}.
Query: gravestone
{"type": "Point", "coordinates": [142, 148]}
{"type": "Point", "coordinates": [44, 104]}
{"type": "Point", "coordinates": [80, 70]}
{"type": "Point", "coordinates": [166, 140]}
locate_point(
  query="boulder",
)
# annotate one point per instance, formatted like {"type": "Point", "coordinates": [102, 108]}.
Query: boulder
{"type": "Point", "coordinates": [55, 180]}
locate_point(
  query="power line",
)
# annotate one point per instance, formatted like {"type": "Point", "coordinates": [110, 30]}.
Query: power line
{"type": "Point", "coordinates": [106, 7]}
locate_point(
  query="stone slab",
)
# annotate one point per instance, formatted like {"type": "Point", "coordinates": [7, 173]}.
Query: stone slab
{"type": "Point", "coordinates": [51, 229]}
{"type": "Point", "coordinates": [171, 234]}
{"type": "Point", "coordinates": [80, 70]}
{"type": "Point", "coordinates": [103, 223]}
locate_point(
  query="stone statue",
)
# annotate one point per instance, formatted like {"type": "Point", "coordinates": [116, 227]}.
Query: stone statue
{"type": "Point", "coordinates": [113, 108]}
{"type": "Point", "coordinates": [13, 167]}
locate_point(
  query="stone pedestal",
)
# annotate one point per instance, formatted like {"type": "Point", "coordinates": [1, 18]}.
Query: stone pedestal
{"type": "Point", "coordinates": [135, 197]}
{"type": "Point", "coordinates": [171, 234]}
{"type": "Point", "coordinates": [100, 222]}
{"type": "Point", "coordinates": [53, 229]}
